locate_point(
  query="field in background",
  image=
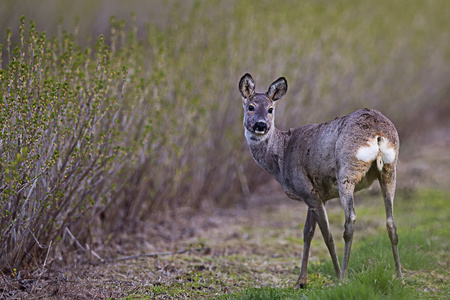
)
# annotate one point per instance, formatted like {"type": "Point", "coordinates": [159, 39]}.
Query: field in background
{"type": "Point", "coordinates": [159, 115]}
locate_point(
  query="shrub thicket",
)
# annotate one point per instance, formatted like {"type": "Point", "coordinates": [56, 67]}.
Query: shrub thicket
{"type": "Point", "coordinates": [87, 132]}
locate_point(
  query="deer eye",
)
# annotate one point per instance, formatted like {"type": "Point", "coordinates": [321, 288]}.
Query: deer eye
{"type": "Point", "coordinates": [251, 108]}
{"type": "Point", "coordinates": [270, 110]}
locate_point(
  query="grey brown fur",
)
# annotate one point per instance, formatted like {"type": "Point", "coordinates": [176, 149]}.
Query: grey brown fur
{"type": "Point", "coordinates": [315, 163]}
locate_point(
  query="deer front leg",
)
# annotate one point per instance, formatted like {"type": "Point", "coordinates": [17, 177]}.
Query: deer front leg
{"type": "Point", "coordinates": [322, 219]}
{"type": "Point", "coordinates": [308, 234]}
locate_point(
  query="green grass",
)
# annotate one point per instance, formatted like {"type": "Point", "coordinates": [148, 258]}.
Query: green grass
{"type": "Point", "coordinates": [250, 270]}
{"type": "Point", "coordinates": [424, 252]}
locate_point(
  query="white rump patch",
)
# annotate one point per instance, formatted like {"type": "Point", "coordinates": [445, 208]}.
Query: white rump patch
{"type": "Point", "coordinates": [368, 153]}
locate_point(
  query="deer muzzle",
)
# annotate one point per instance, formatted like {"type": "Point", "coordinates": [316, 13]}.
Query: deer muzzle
{"type": "Point", "coordinates": [260, 128]}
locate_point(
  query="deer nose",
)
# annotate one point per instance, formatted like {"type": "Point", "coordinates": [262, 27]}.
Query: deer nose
{"type": "Point", "coordinates": [260, 127]}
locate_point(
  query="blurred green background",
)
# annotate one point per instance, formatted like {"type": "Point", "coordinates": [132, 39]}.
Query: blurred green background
{"type": "Point", "coordinates": [181, 109]}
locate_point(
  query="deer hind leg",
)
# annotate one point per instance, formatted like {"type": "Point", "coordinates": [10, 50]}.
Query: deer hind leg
{"type": "Point", "coordinates": [322, 219]}
{"type": "Point", "coordinates": [387, 184]}
{"type": "Point", "coordinates": [346, 196]}
{"type": "Point", "coordinates": [308, 234]}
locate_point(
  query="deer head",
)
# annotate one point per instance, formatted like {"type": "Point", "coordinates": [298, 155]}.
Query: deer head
{"type": "Point", "coordinates": [259, 108]}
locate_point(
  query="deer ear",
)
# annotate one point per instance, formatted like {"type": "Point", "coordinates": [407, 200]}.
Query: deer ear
{"type": "Point", "coordinates": [277, 89]}
{"type": "Point", "coordinates": [246, 86]}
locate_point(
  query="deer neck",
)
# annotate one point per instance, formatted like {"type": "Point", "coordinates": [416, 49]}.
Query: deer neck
{"type": "Point", "coordinates": [268, 150]}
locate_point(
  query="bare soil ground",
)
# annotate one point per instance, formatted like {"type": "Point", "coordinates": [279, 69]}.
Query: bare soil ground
{"type": "Point", "coordinates": [258, 243]}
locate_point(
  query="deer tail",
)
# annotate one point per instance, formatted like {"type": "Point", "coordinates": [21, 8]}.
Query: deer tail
{"type": "Point", "coordinates": [386, 154]}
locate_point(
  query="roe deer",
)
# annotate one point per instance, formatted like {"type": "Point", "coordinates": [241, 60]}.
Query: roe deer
{"type": "Point", "coordinates": [318, 162]}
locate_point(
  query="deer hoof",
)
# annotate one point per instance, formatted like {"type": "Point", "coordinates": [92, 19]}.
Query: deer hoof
{"type": "Point", "coordinates": [301, 285]}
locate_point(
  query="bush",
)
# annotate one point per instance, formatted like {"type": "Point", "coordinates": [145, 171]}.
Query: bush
{"type": "Point", "coordinates": [86, 133]}
{"type": "Point", "coordinates": [59, 143]}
